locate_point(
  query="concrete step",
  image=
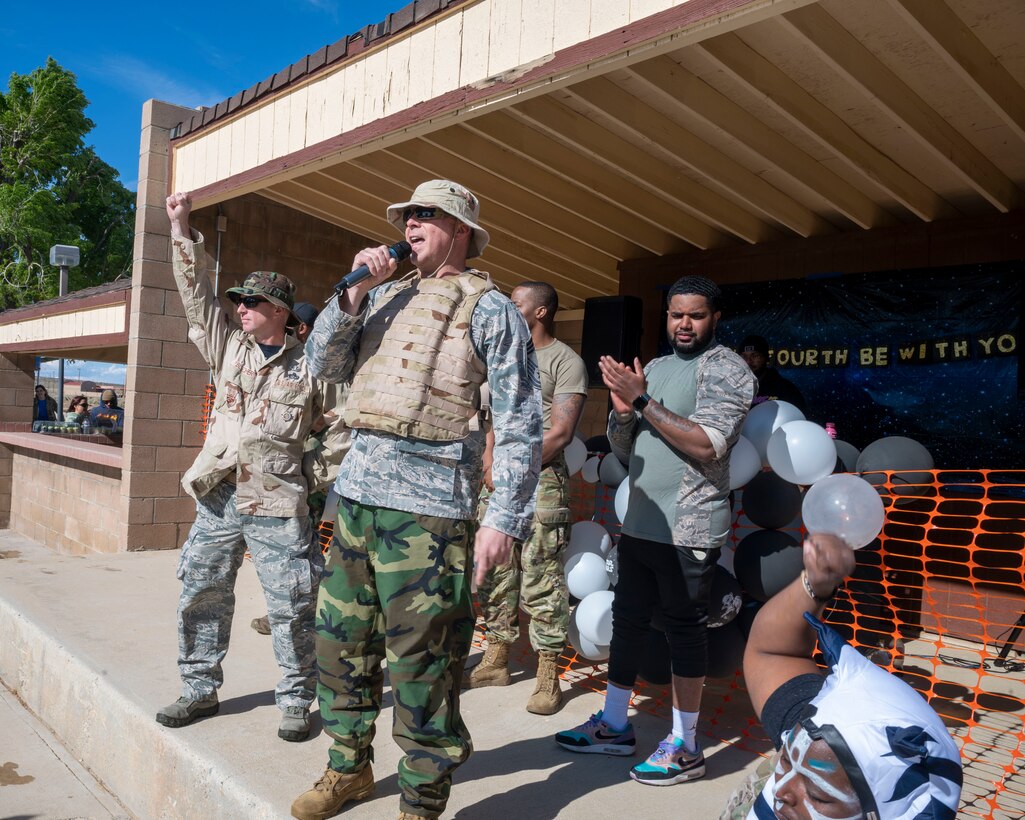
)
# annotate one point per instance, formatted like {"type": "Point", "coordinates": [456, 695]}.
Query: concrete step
{"type": "Point", "coordinates": [89, 644]}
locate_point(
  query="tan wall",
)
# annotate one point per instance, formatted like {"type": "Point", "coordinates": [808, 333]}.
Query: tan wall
{"type": "Point", "coordinates": [65, 504]}
{"type": "Point", "coordinates": [16, 396]}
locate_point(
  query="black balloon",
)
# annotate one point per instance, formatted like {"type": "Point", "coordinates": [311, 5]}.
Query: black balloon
{"type": "Point", "coordinates": [598, 444]}
{"type": "Point", "coordinates": [770, 502]}
{"type": "Point", "coordinates": [766, 562]}
{"type": "Point", "coordinates": [746, 619]}
{"type": "Point", "coordinates": [725, 650]}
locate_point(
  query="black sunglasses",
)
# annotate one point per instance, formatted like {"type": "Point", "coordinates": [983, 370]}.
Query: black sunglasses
{"type": "Point", "coordinates": [420, 213]}
{"type": "Point", "coordinates": [249, 301]}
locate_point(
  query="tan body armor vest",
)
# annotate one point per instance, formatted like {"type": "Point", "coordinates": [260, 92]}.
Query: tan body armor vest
{"type": "Point", "coordinates": [418, 374]}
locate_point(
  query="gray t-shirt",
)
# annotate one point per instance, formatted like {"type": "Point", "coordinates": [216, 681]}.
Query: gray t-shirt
{"type": "Point", "coordinates": [676, 499]}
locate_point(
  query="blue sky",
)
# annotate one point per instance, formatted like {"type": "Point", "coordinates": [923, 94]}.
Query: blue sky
{"type": "Point", "coordinates": [186, 53]}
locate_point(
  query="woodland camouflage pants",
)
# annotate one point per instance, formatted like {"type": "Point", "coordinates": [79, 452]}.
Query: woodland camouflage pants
{"type": "Point", "coordinates": [396, 587]}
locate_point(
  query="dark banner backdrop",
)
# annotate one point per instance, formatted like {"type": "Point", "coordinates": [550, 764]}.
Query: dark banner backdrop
{"type": "Point", "coordinates": [933, 355]}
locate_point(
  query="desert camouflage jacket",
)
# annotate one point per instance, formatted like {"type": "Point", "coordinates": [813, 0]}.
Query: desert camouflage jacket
{"type": "Point", "coordinates": [265, 407]}
{"type": "Point", "coordinates": [443, 478]}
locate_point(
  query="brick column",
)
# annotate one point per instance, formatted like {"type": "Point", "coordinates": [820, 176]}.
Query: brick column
{"type": "Point", "coordinates": [16, 397]}
{"type": "Point", "coordinates": [166, 375]}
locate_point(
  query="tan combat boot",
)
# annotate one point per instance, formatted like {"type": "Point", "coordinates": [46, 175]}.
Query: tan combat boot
{"type": "Point", "coordinates": [494, 669]}
{"type": "Point", "coordinates": [331, 792]}
{"type": "Point", "coordinates": [547, 697]}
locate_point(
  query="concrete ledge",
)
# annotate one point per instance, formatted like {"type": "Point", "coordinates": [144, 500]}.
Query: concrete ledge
{"type": "Point", "coordinates": [152, 771]}
{"type": "Point", "coordinates": [106, 454]}
{"type": "Point", "coordinates": [89, 643]}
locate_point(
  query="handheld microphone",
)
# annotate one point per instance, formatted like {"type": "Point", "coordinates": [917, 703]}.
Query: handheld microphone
{"type": "Point", "coordinates": [398, 252]}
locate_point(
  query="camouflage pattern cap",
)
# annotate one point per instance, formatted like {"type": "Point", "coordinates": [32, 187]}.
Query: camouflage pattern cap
{"type": "Point", "coordinates": [455, 200]}
{"type": "Point", "coordinates": [274, 287]}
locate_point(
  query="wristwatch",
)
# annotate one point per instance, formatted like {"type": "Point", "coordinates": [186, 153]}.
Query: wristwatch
{"type": "Point", "coordinates": [641, 401]}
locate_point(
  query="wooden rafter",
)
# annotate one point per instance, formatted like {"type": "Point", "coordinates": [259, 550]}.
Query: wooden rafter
{"type": "Point", "coordinates": [804, 111]}
{"type": "Point", "coordinates": [700, 99]}
{"type": "Point", "coordinates": [855, 63]}
{"type": "Point", "coordinates": [957, 44]}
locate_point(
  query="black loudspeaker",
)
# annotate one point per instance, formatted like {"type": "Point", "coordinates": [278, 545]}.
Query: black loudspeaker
{"type": "Point", "coordinates": [612, 327]}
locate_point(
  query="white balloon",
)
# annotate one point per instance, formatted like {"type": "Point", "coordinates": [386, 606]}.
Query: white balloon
{"type": "Point", "coordinates": [764, 419]}
{"type": "Point", "coordinates": [745, 463]}
{"type": "Point", "coordinates": [845, 505]}
{"type": "Point", "coordinates": [587, 536]}
{"type": "Point", "coordinates": [585, 573]}
{"type": "Point", "coordinates": [576, 454]}
{"type": "Point", "coordinates": [801, 452]}
{"type": "Point", "coordinates": [585, 648]}
{"type": "Point", "coordinates": [622, 500]}
{"type": "Point", "coordinates": [589, 472]}
{"type": "Point", "coordinates": [611, 472]}
{"type": "Point", "coordinates": [594, 617]}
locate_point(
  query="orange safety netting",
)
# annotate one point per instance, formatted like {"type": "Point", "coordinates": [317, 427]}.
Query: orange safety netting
{"type": "Point", "coordinates": [938, 600]}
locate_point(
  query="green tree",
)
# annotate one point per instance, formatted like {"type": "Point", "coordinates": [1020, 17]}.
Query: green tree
{"type": "Point", "coordinates": [54, 189]}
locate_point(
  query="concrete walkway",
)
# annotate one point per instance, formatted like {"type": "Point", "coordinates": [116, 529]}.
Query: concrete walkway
{"type": "Point", "coordinates": [89, 644]}
{"type": "Point", "coordinates": [38, 777]}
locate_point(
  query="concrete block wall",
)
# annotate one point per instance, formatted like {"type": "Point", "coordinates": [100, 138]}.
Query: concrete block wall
{"type": "Point", "coordinates": [167, 377]}
{"type": "Point", "coordinates": [65, 504]}
{"type": "Point", "coordinates": [16, 397]}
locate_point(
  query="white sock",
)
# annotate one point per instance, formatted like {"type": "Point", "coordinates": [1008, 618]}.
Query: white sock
{"type": "Point", "coordinates": [685, 727]}
{"type": "Point", "coordinates": [616, 703]}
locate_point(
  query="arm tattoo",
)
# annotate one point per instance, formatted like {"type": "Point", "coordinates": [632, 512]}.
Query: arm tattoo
{"type": "Point", "coordinates": [658, 413]}
{"type": "Point", "coordinates": [567, 407]}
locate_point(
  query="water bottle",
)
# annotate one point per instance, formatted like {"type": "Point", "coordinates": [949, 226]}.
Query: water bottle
{"type": "Point", "coordinates": [86, 425]}
{"type": "Point", "coordinates": [831, 429]}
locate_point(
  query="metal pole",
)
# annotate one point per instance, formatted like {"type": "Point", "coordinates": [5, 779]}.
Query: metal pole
{"type": "Point", "coordinates": [63, 291]}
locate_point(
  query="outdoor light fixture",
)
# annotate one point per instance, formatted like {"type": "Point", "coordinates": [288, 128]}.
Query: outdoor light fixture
{"type": "Point", "coordinates": [64, 257]}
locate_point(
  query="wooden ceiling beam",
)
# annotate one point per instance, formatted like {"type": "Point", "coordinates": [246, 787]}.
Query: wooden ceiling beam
{"type": "Point", "coordinates": [359, 209]}
{"type": "Point", "coordinates": [956, 43]}
{"type": "Point", "coordinates": [393, 181]}
{"type": "Point", "coordinates": [408, 174]}
{"type": "Point", "coordinates": [700, 99]}
{"type": "Point", "coordinates": [623, 158]}
{"type": "Point", "coordinates": [622, 110]}
{"type": "Point", "coordinates": [807, 113]}
{"type": "Point", "coordinates": [611, 202]}
{"type": "Point", "coordinates": [446, 155]}
{"type": "Point", "coordinates": [859, 66]}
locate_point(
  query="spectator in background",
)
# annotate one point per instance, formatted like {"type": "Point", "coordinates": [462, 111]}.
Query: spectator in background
{"type": "Point", "coordinates": [771, 385]}
{"type": "Point", "coordinates": [78, 409]}
{"type": "Point", "coordinates": [107, 413]}
{"type": "Point", "coordinates": [856, 742]}
{"type": "Point", "coordinates": [45, 406]}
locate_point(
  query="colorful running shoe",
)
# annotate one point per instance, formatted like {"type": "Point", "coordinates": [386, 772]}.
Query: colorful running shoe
{"type": "Point", "coordinates": [670, 763]}
{"type": "Point", "coordinates": [597, 737]}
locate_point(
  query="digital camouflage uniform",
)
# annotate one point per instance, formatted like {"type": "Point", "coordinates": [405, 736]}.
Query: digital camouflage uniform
{"type": "Point", "coordinates": [397, 582]}
{"type": "Point", "coordinates": [250, 484]}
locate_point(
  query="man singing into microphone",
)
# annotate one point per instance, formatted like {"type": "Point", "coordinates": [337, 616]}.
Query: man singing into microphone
{"type": "Point", "coordinates": [397, 578]}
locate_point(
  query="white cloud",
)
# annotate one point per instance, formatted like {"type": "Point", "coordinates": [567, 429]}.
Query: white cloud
{"type": "Point", "coordinates": [138, 77]}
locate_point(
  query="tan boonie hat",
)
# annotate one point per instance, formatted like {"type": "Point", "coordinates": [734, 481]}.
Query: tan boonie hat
{"type": "Point", "coordinates": [108, 395]}
{"type": "Point", "coordinates": [276, 288]}
{"type": "Point", "coordinates": [453, 199]}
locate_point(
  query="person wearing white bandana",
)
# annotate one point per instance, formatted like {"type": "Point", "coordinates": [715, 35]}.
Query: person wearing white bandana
{"type": "Point", "coordinates": [856, 743]}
